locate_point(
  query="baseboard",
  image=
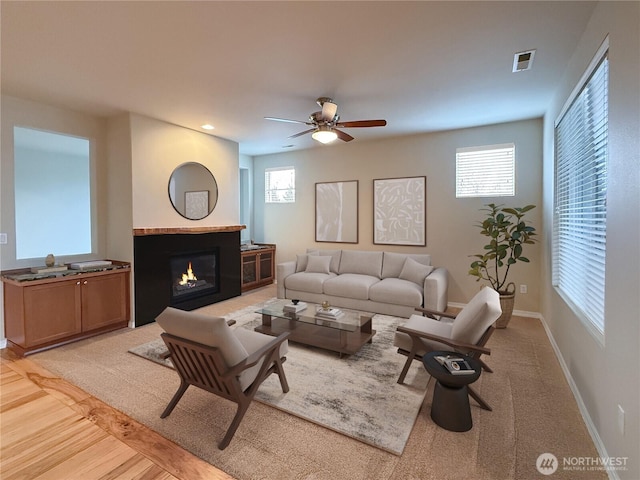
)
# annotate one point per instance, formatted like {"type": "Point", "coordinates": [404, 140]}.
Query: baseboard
{"type": "Point", "coordinates": [593, 431]}
{"type": "Point", "coordinates": [3, 343]}
{"type": "Point", "coordinates": [517, 313]}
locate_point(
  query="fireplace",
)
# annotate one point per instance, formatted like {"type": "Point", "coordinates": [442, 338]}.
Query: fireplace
{"type": "Point", "coordinates": [193, 275]}
{"type": "Point", "coordinates": [184, 270]}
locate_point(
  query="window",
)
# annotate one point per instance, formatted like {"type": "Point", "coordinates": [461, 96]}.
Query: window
{"type": "Point", "coordinates": [280, 185]}
{"type": "Point", "coordinates": [580, 213]}
{"type": "Point", "coordinates": [485, 171]}
{"type": "Point", "coordinates": [52, 194]}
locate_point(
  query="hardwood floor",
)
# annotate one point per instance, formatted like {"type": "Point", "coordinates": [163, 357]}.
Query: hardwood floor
{"type": "Point", "coordinates": [50, 429]}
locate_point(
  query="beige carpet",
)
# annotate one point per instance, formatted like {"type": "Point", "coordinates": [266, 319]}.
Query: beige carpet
{"type": "Point", "coordinates": [534, 412]}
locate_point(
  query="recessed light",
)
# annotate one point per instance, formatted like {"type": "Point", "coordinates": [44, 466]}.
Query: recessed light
{"type": "Point", "coordinates": [206, 126]}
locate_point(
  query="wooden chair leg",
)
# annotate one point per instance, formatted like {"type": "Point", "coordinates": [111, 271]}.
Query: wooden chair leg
{"type": "Point", "coordinates": [405, 369]}
{"type": "Point", "coordinates": [176, 398]}
{"type": "Point", "coordinates": [242, 409]}
{"type": "Point", "coordinates": [473, 394]}
{"type": "Point", "coordinates": [485, 367]}
{"type": "Point", "coordinates": [283, 379]}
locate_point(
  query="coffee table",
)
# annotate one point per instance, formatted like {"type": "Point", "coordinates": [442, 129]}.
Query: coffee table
{"type": "Point", "coordinates": [345, 335]}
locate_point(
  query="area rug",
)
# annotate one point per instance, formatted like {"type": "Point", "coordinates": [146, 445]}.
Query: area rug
{"type": "Point", "coordinates": [355, 395]}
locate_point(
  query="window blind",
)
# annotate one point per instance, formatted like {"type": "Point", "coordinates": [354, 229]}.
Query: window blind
{"type": "Point", "coordinates": [280, 185]}
{"type": "Point", "coordinates": [485, 171]}
{"type": "Point", "coordinates": [580, 216]}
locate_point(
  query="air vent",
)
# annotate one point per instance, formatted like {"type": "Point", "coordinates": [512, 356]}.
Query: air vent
{"type": "Point", "coordinates": [523, 60]}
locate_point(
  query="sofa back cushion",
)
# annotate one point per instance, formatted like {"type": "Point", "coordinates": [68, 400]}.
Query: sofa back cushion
{"type": "Point", "coordinates": [392, 263]}
{"type": "Point", "coordinates": [364, 263]}
{"type": "Point", "coordinates": [334, 254]}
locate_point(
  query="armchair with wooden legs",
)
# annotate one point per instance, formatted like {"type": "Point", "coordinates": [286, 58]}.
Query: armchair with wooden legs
{"type": "Point", "coordinates": [466, 333]}
{"type": "Point", "coordinates": [229, 363]}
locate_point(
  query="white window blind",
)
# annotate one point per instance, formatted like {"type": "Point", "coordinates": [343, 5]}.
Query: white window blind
{"type": "Point", "coordinates": [485, 171]}
{"type": "Point", "coordinates": [580, 216]}
{"type": "Point", "coordinates": [280, 185]}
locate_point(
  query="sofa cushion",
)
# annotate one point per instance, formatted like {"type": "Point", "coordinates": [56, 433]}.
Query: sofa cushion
{"type": "Point", "coordinates": [204, 329]}
{"type": "Point", "coordinates": [427, 325]}
{"type": "Point", "coordinates": [396, 292]}
{"type": "Point", "coordinates": [350, 285]}
{"type": "Point", "coordinates": [301, 262]}
{"type": "Point", "coordinates": [415, 272]}
{"type": "Point", "coordinates": [334, 254]}
{"type": "Point", "coordinates": [365, 263]}
{"type": "Point", "coordinates": [307, 282]}
{"type": "Point", "coordinates": [392, 263]}
{"type": "Point", "coordinates": [318, 264]}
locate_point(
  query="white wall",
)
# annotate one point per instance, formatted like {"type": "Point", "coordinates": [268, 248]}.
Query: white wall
{"type": "Point", "coordinates": [451, 234]}
{"type": "Point", "coordinates": [606, 376]}
{"type": "Point", "coordinates": [246, 165]}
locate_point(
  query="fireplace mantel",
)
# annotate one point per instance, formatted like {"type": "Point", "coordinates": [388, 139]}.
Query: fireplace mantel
{"type": "Point", "coordinates": [186, 230]}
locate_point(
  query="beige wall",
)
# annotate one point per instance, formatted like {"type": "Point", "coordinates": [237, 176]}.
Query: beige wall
{"type": "Point", "coordinates": [157, 148]}
{"type": "Point", "coordinates": [451, 234]}
{"type": "Point", "coordinates": [134, 157]}
{"type": "Point", "coordinates": [606, 375]}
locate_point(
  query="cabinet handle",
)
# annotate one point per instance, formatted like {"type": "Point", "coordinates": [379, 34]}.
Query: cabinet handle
{"type": "Point", "coordinates": [85, 282]}
{"type": "Point", "coordinates": [78, 283]}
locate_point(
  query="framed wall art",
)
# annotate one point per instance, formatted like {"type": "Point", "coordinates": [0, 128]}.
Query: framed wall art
{"type": "Point", "coordinates": [196, 204]}
{"type": "Point", "coordinates": [337, 212]}
{"type": "Point", "coordinates": [399, 211]}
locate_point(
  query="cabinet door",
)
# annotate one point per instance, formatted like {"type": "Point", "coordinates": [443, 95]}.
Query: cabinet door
{"type": "Point", "coordinates": [104, 301]}
{"type": "Point", "coordinates": [249, 268]}
{"type": "Point", "coordinates": [266, 266]}
{"type": "Point", "coordinates": [52, 312]}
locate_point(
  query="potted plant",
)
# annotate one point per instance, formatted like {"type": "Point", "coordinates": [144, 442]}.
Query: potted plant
{"type": "Point", "coordinates": [508, 232]}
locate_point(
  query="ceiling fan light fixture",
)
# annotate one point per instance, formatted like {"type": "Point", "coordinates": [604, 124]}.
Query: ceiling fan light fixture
{"type": "Point", "coordinates": [324, 134]}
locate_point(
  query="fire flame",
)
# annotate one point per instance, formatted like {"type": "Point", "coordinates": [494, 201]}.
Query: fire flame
{"type": "Point", "coordinates": [188, 277]}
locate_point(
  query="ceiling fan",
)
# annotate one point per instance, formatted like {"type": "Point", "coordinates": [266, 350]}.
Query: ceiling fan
{"type": "Point", "coordinates": [324, 123]}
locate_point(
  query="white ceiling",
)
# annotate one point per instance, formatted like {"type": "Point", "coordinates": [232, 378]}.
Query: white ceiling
{"type": "Point", "coordinates": [422, 66]}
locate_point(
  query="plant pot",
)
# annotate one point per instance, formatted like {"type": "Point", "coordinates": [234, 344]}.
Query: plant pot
{"type": "Point", "coordinates": [507, 299]}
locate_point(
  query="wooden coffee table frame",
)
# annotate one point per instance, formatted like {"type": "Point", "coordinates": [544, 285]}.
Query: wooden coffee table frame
{"type": "Point", "coordinates": [320, 334]}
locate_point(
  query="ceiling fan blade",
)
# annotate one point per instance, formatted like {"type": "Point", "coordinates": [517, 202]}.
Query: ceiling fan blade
{"type": "Point", "coordinates": [287, 120]}
{"type": "Point", "coordinates": [345, 137]}
{"type": "Point", "coordinates": [329, 110]}
{"type": "Point", "coordinates": [302, 133]}
{"type": "Point", "coordinates": [362, 123]}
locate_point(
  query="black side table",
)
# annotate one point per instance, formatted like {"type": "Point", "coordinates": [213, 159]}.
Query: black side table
{"type": "Point", "coordinates": [450, 406]}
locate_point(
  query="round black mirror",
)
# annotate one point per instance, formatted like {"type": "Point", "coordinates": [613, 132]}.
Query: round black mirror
{"type": "Point", "coordinates": [193, 190]}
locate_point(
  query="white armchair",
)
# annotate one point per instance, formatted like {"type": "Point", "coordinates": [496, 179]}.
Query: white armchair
{"type": "Point", "coordinates": [466, 333]}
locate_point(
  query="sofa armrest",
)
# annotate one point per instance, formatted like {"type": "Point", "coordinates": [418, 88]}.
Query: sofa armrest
{"type": "Point", "coordinates": [436, 287]}
{"type": "Point", "coordinates": [283, 270]}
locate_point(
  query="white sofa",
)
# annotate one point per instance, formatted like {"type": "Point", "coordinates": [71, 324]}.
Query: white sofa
{"type": "Point", "coordinates": [380, 282]}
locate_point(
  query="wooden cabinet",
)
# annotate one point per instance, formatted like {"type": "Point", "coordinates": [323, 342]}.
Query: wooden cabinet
{"type": "Point", "coordinates": [258, 266]}
{"type": "Point", "coordinates": [44, 313]}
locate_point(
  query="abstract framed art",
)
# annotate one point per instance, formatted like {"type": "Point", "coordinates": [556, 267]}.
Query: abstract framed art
{"type": "Point", "coordinates": [196, 204]}
{"type": "Point", "coordinates": [337, 212]}
{"type": "Point", "coordinates": [399, 211]}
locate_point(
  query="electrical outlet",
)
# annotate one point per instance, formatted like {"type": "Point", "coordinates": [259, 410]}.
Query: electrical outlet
{"type": "Point", "coordinates": [621, 420]}
{"type": "Point", "coordinates": [3, 238]}
{"type": "Point", "coordinates": [523, 289]}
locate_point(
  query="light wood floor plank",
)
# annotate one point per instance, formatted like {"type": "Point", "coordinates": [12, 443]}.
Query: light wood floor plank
{"type": "Point", "coordinates": [54, 430]}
